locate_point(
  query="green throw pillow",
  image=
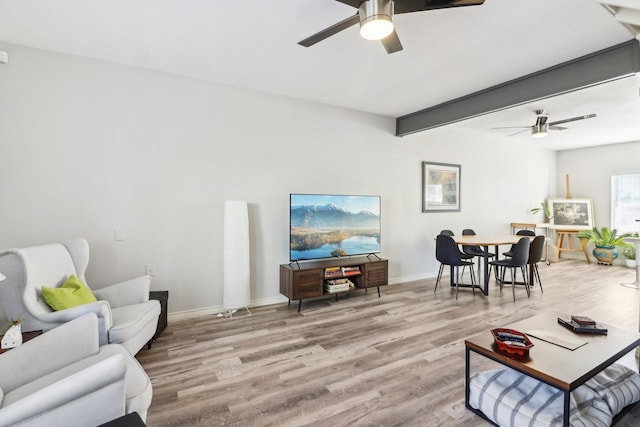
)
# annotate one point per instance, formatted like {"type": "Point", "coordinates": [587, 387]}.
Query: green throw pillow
{"type": "Point", "coordinates": [72, 293]}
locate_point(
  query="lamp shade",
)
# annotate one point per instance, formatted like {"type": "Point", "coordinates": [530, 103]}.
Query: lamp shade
{"type": "Point", "coordinates": [237, 284]}
{"type": "Point", "coordinates": [376, 19]}
{"type": "Point", "coordinates": [539, 131]}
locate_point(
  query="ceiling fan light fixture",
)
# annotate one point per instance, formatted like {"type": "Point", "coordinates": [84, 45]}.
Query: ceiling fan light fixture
{"type": "Point", "coordinates": [539, 131]}
{"type": "Point", "coordinates": [376, 20]}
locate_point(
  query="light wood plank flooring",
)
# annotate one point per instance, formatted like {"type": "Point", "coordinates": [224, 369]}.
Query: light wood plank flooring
{"type": "Point", "coordinates": [364, 360]}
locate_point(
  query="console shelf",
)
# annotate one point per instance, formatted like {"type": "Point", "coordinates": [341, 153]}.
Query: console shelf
{"type": "Point", "coordinates": [300, 281]}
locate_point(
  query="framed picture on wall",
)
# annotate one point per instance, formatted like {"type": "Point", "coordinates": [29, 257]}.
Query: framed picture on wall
{"type": "Point", "coordinates": [571, 214]}
{"type": "Point", "coordinates": [440, 187]}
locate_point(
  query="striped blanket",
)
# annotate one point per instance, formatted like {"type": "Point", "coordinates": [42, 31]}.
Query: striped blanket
{"type": "Point", "coordinates": [509, 398]}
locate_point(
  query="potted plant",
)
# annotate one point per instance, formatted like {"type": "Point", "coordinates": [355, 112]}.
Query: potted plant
{"type": "Point", "coordinates": [13, 336]}
{"type": "Point", "coordinates": [606, 241]}
{"type": "Point", "coordinates": [543, 208]}
{"type": "Point", "coordinates": [630, 255]}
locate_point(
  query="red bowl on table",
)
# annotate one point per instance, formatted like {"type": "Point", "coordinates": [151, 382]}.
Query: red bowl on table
{"type": "Point", "coordinates": [511, 341]}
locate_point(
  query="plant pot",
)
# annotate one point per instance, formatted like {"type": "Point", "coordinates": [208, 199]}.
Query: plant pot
{"type": "Point", "coordinates": [631, 263]}
{"type": "Point", "coordinates": [12, 338]}
{"type": "Point", "coordinates": [605, 254]}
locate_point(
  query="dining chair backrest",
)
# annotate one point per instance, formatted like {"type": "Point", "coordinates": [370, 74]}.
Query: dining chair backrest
{"type": "Point", "coordinates": [468, 232]}
{"type": "Point", "coordinates": [521, 252]}
{"type": "Point", "coordinates": [525, 233]}
{"type": "Point", "coordinates": [447, 233]}
{"type": "Point", "coordinates": [447, 250]}
{"type": "Point", "coordinates": [536, 249]}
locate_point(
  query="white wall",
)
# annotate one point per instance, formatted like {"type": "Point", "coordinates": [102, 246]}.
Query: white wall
{"type": "Point", "coordinates": [590, 171]}
{"type": "Point", "coordinates": [88, 147]}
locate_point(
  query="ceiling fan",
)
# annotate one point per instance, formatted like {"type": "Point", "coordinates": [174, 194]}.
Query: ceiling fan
{"type": "Point", "coordinates": [376, 19]}
{"type": "Point", "coordinates": [541, 127]}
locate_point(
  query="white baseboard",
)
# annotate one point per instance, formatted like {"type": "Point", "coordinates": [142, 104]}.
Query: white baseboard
{"type": "Point", "coordinates": [213, 311]}
{"type": "Point", "coordinates": [404, 279]}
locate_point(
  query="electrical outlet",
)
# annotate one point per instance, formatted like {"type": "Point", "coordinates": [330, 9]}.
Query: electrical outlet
{"type": "Point", "coordinates": [118, 235]}
{"type": "Point", "coordinates": [150, 269]}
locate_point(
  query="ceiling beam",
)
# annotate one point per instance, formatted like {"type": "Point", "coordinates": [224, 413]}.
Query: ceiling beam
{"type": "Point", "coordinates": [619, 61]}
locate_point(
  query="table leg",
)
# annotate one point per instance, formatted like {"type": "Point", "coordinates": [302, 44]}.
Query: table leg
{"type": "Point", "coordinates": [567, 413]}
{"type": "Point", "coordinates": [486, 270]}
{"type": "Point", "coordinates": [451, 278]}
{"type": "Point", "coordinates": [467, 370]}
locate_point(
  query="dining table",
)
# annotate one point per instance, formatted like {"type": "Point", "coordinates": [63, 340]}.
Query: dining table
{"type": "Point", "coordinates": [485, 241]}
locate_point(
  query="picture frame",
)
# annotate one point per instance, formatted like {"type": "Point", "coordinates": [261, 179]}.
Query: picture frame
{"type": "Point", "coordinates": [440, 187]}
{"type": "Point", "coordinates": [571, 214]}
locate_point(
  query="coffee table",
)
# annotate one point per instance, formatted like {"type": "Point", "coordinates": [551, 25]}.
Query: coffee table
{"type": "Point", "coordinates": [554, 365]}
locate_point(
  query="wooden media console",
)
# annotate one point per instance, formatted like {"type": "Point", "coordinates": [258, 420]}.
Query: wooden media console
{"type": "Point", "coordinates": [300, 281]}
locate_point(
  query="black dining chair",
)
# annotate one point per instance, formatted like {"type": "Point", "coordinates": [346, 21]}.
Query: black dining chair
{"type": "Point", "coordinates": [535, 256]}
{"type": "Point", "coordinates": [463, 255]}
{"type": "Point", "coordinates": [519, 259]}
{"type": "Point", "coordinates": [530, 233]}
{"type": "Point", "coordinates": [447, 253]}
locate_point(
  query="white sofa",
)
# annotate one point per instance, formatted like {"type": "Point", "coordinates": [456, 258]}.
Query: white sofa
{"type": "Point", "coordinates": [125, 314]}
{"type": "Point", "coordinates": [64, 378]}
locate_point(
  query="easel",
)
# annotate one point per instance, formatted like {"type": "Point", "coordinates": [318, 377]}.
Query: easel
{"type": "Point", "coordinates": [569, 233]}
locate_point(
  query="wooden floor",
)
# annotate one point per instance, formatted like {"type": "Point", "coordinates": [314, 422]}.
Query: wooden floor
{"type": "Point", "coordinates": [364, 360]}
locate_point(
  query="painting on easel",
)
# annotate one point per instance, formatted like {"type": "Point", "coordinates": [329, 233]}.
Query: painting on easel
{"type": "Point", "coordinates": [571, 214]}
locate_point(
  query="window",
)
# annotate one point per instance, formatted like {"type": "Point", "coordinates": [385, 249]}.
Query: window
{"type": "Point", "coordinates": [625, 202]}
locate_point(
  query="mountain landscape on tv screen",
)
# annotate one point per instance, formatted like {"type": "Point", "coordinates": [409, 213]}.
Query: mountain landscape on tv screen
{"type": "Point", "coordinates": [331, 216]}
{"type": "Point", "coordinates": [322, 231]}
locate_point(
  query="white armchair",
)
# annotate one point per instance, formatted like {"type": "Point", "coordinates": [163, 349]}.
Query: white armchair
{"type": "Point", "coordinates": [64, 378]}
{"type": "Point", "coordinates": [125, 314]}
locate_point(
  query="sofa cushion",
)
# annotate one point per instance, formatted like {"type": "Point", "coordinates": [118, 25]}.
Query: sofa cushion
{"type": "Point", "coordinates": [71, 294]}
{"type": "Point", "coordinates": [92, 395]}
{"type": "Point", "coordinates": [618, 385]}
{"type": "Point", "coordinates": [137, 385]}
{"type": "Point", "coordinates": [509, 398]}
{"type": "Point", "coordinates": [127, 320]}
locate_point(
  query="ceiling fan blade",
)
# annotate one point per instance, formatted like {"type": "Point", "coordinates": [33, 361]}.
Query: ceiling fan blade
{"type": "Point", "coordinates": [408, 6]}
{"type": "Point", "coordinates": [392, 43]}
{"type": "Point", "coordinates": [557, 128]}
{"type": "Point", "coordinates": [573, 119]}
{"type": "Point", "coordinates": [520, 131]}
{"type": "Point", "coordinates": [328, 32]}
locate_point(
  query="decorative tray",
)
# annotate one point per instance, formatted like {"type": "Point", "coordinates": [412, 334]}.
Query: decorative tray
{"type": "Point", "coordinates": [512, 341]}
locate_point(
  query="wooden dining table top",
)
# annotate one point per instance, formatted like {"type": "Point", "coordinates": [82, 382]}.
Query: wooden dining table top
{"type": "Point", "coordinates": [488, 239]}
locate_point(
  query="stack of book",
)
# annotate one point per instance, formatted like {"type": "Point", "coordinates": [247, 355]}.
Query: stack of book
{"type": "Point", "coordinates": [333, 272]}
{"type": "Point", "coordinates": [350, 271]}
{"type": "Point", "coordinates": [582, 324]}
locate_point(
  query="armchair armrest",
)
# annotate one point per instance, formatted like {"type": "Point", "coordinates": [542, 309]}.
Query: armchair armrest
{"type": "Point", "coordinates": [133, 291]}
{"type": "Point", "coordinates": [94, 395]}
{"type": "Point", "coordinates": [59, 347]}
{"type": "Point", "coordinates": [101, 309]}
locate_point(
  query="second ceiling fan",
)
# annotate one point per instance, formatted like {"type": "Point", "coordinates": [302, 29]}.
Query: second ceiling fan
{"type": "Point", "coordinates": [542, 125]}
{"type": "Point", "coordinates": [376, 19]}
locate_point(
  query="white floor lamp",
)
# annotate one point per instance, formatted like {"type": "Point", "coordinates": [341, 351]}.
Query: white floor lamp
{"type": "Point", "coordinates": [237, 274]}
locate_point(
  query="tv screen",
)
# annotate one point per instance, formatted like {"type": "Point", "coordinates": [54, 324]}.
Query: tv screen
{"type": "Point", "coordinates": [325, 226]}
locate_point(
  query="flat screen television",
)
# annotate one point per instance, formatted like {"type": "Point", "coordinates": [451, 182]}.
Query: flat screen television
{"type": "Point", "coordinates": [332, 225]}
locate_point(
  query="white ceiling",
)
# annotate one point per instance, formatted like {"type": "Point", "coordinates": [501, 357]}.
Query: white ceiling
{"type": "Point", "coordinates": [447, 53]}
